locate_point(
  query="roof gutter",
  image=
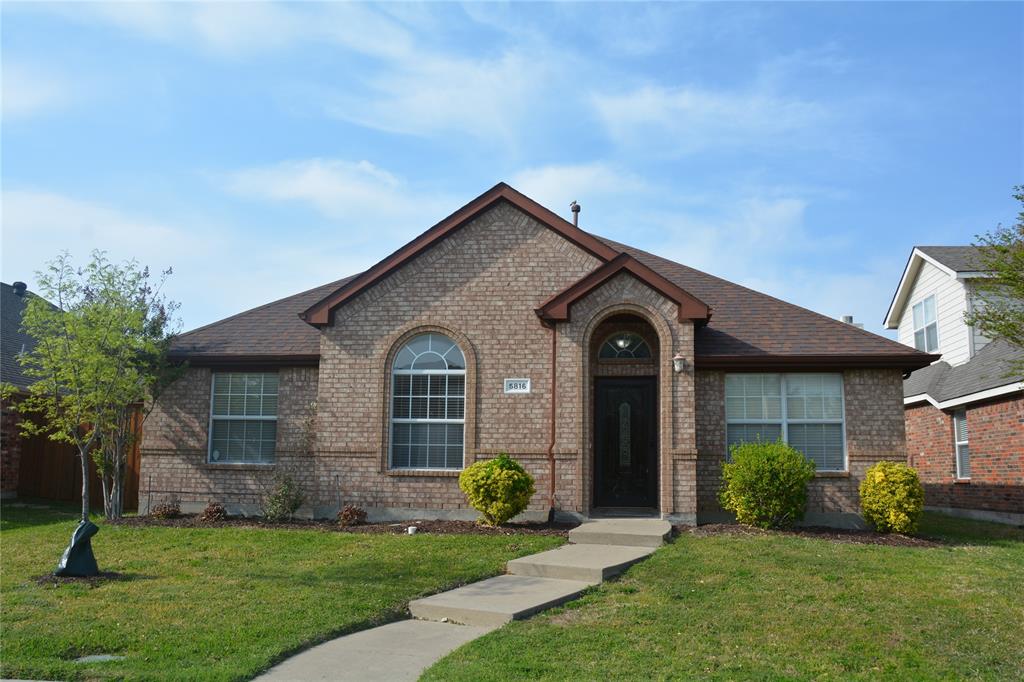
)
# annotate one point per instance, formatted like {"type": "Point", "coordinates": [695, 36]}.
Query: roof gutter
{"type": "Point", "coordinates": [752, 363]}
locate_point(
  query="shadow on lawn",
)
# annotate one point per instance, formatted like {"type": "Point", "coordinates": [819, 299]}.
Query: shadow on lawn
{"type": "Point", "coordinates": [951, 530]}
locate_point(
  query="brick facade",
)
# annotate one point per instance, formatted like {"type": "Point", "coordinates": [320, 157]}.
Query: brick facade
{"type": "Point", "coordinates": [874, 431]}
{"type": "Point", "coordinates": [996, 442]}
{"type": "Point", "coordinates": [480, 286]}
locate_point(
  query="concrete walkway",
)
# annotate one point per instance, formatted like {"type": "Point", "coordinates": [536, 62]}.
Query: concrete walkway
{"type": "Point", "coordinates": [443, 622]}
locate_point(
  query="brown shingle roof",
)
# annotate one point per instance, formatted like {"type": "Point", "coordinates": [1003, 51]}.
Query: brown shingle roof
{"type": "Point", "coordinates": [746, 323]}
{"type": "Point", "coordinates": [746, 326]}
{"type": "Point", "coordinates": [265, 333]}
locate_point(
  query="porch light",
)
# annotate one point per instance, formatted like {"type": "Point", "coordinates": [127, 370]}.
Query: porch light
{"type": "Point", "coordinates": [678, 363]}
{"type": "Point", "coordinates": [623, 342]}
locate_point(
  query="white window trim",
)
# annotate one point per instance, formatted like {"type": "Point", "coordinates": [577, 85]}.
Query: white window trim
{"type": "Point", "coordinates": [914, 330]}
{"type": "Point", "coordinates": [786, 421]}
{"type": "Point", "coordinates": [209, 428]}
{"type": "Point", "coordinates": [392, 420]}
{"type": "Point", "coordinates": [957, 443]}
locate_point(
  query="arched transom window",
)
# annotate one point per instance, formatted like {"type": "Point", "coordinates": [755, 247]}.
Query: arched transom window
{"type": "Point", "coordinates": [428, 404]}
{"type": "Point", "coordinates": [624, 345]}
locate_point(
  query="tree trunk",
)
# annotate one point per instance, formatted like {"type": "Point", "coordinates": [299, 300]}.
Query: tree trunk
{"type": "Point", "coordinates": [83, 456]}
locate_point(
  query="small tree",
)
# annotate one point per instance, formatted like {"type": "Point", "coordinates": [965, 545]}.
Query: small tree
{"type": "Point", "coordinates": [1000, 313]}
{"type": "Point", "coordinates": [101, 333]}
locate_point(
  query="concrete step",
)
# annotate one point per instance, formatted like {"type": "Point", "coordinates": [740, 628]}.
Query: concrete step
{"type": "Point", "coordinates": [625, 532]}
{"type": "Point", "coordinates": [497, 601]}
{"type": "Point", "coordinates": [584, 563]}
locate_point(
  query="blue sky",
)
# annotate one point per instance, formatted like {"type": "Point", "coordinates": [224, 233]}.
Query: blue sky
{"type": "Point", "coordinates": [800, 149]}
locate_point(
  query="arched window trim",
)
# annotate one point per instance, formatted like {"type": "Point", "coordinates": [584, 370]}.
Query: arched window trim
{"type": "Point", "coordinates": [620, 356]}
{"type": "Point", "coordinates": [418, 434]}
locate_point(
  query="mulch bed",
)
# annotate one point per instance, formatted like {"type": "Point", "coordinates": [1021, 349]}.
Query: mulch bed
{"type": "Point", "coordinates": [91, 581]}
{"type": "Point", "coordinates": [859, 537]}
{"type": "Point", "coordinates": [433, 527]}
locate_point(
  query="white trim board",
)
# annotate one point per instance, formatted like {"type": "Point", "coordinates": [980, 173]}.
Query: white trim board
{"type": "Point", "coordinates": [899, 299]}
{"type": "Point", "coordinates": [964, 399]}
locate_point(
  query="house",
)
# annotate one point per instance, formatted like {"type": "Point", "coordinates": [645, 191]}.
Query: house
{"type": "Point", "coordinates": [965, 413]}
{"type": "Point", "coordinates": [617, 377]}
{"type": "Point", "coordinates": [36, 466]}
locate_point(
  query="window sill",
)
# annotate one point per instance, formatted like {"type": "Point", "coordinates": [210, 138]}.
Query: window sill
{"type": "Point", "coordinates": [239, 466]}
{"type": "Point", "coordinates": [961, 481]}
{"type": "Point", "coordinates": [444, 473]}
{"type": "Point", "coordinates": [831, 474]}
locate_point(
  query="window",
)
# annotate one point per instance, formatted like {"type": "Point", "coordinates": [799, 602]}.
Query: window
{"type": "Point", "coordinates": [428, 404]}
{"type": "Point", "coordinates": [624, 345]}
{"type": "Point", "coordinates": [963, 455]}
{"type": "Point", "coordinates": [804, 410]}
{"type": "Point", "coordinates": [926, 328]}
{"type": "Point", "coordinates": [243, 417]}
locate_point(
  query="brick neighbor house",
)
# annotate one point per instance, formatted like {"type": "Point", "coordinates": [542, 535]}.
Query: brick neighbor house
{"type": "Point", "coordinates": [618, 378]}
{"type": "Point", "coordinates": [965, 413]}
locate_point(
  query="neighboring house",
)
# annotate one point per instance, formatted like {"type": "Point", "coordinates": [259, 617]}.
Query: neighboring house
{"type": "Point", "coordinates": [36, 466]}
{"type": "Point", "coordinates": [618, 378]}
{"type": "Point", "coordinates": [965, 414]}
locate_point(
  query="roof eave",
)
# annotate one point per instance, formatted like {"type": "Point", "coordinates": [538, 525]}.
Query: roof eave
{"type": "Point", "coordinates": [903, 361]}
{"type": "Point", "coordinates": [245, 360]}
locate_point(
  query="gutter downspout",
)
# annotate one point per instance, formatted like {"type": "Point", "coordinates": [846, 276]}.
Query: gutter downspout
{"type": "Point", "coordinates": [551, 444]}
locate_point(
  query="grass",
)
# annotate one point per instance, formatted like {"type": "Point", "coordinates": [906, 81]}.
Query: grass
{"type": "Point", "coordinates": [782, 607]}
{"type": "Point", "coordinates": [214, 604]}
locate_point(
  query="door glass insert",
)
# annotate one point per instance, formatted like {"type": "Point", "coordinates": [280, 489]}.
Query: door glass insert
{"type": "Point", "coordinates": [625, 442]}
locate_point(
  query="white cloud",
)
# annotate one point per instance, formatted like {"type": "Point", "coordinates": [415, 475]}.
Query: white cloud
{"type": "Point", "coordinates": [428, 93]}
{"type": "Point", "coordinates": [556, 185]}
{"type": "Point", "coordinates": [686, 120]}
{"type": "Point", "coordinates": [218, 270]}
{"type": "Point", "coordinates": [370, 202]}
{"type": "Point", "coordinates": [28, 90]}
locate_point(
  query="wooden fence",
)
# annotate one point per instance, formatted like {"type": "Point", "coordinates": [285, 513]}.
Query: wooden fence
{"type": "Point", "coordinates": [51, 471]}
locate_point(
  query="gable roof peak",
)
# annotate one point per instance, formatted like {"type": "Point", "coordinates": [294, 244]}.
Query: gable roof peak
{"type": "Point", "coordinates": [320, 313]}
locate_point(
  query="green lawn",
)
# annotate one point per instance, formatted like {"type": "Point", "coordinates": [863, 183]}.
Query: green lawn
{"type": "Point", "coordinates": [782, 607]}
{"type": "Point", "coordinates": [214, 604]}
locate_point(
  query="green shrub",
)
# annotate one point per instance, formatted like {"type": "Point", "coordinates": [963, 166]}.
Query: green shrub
{"type": "Point", "coordinates": [891, 497]}
{"type": "Point", "coordinates": [498, 488]}
{"type": "Point", "coordinates": [283, 499]}
{"type": "Point", "coordinates": [765, 484]}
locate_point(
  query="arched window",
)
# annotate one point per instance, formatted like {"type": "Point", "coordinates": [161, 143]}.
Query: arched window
{"type": "Point", "coordinates": [428, 404]}
{"type": "Point", "coordinates": [624, 345]}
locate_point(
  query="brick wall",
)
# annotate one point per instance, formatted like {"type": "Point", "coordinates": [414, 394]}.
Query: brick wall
{"type": "Point", "coordinates": [175, 441]}
{"type": "Point", "coordinates": [996, 441]}
{"type": "Point", "coordinates": [874, 431]}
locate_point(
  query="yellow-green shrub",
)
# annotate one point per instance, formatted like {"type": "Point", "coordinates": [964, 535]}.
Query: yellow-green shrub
{"type": "Point", "coordinates": [891, 497]}
{"type": "Point", "coordinates": [765, 484]}
{"type": "Point", "coordinates": [498, 488]}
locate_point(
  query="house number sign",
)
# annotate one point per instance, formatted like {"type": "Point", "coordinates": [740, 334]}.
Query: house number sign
{"type": "Point", "coordinates": [517, 385]}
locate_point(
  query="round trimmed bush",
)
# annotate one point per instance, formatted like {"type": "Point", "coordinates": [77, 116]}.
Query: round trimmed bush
{"type": "Point", "coordinates": [891, 497]}
{"type": "Point", "coordinates": [498, 488]}
{"type": "Point", "coordinates": [765, 484]}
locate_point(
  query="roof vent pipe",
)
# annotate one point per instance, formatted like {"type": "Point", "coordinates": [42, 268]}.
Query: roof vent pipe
{"type": "Point", "coordinates": [575, 208]}
{"type": "Point", "coordinates": [19, 288]}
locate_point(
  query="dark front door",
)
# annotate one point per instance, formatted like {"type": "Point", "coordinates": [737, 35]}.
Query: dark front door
{"type": "Point", "coordinates": [625, 442]}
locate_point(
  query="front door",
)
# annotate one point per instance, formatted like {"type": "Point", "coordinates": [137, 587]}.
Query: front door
{"type": "Point", "coordinates": [625, 442]}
